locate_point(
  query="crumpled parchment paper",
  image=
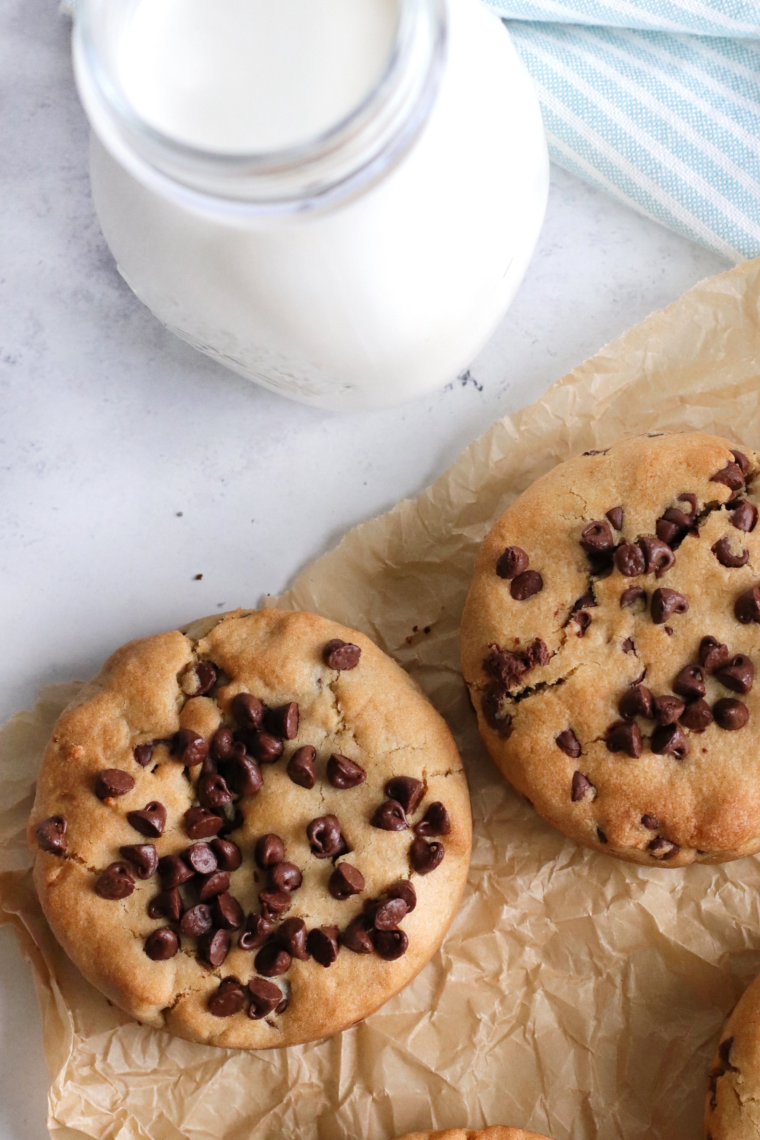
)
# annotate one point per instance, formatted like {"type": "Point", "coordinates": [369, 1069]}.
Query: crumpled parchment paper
{"type": "Point", "coordinates": [575, 995]}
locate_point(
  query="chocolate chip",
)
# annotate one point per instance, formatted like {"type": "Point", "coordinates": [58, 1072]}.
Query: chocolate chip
{"type": "Point", "coordinates": [390, 944]}
{"type": "Point", "coordinates": [627, 645]}
{"type": "Point", "coordinates": [196, 921]}
{"type": "Point", "coordinates": [506, 667]}
{"type": "Point", "coordinates": [233, 819]}
{"type": "Point", "coordinates": [222, 744]}
{"type": "Point", "coordinates": [629, 559]}
{"type": "Point", "coordinates": [345, 881]}
{"type": "Point", "coordinates": [697, 716]}
{"type": "Point", "coordinates": [666, 602]}
{"type": "Point", "coordinates": [624, 736]}
{"type": "Point", "coordinates": [651, 822]}
{"type": "Point", "coordinates": [387, 915]}
{"type": "Point", "coordinates": [214, 884]}
{"type": "Point", "coordinates": [115, 882]}
{"type": "Point", "coordinates": [657, 554]}
{"type": "Point", "coordinates": [113, 782]}
{"type": "Point", "coordinates": [390, 816]}
{"type": "Point", "coordinates": [663, 848]}
{"type": "Point", "coordinates": [227, 911]}
{"type": "Point", "coordinates": [631, 595]}
{"type": "Point", "coordinates": [403, 889]}
{"type": "Point", "coordinates": [722, 551]}
{"type": "Point", "coordinates": [301, 767]}
{"type": "Point", "coordinates": [264, 747]}
{"type": "Point", "coordinates": [166, 904]}
{"type": "Point", "coordinates": [248, 710]}
{"type": "Point", "coordinates": [227, 855]}
{"type": "Point", "coordinates": [213, 792]}
{"type": "Point", "coordinates": [257, 930]}
{"type": "Point", "coordinates": [582, 788]}
{"type": "Point", "coordinates": [341, 655]}
{"type": "Point", "coordinates": [284, 877]}
{"type": "Point", "coordinates": [731, 476]}
{"type": "Point", "coordinates": [51, 834]}
{"type": "Point", "coordinates": [142, 856]}
{"type": "Point", "coordinates": [214, 946]}
{"type": "Point", "coordinates": [583, 621]}
{"type": "Point", "coordinates": [201, 858]}
{"type": "Point", "coordinates": [511, 562]}
{"type": "Point", "coordinates": [228, 999]}
{"type": "Point", "coordinates": [272, 960]}
{"type": "Point", "coordinates": [670, 740]}
{"type": "Point", "coordinates": [265, 998]}
{"type": "Point", "coordinates": [292, 937]}
{"type": "Point", "coordinates": [243, 775]}
{"type": "Point", "coordinates": [174, 871]}
{"type": "Point", "coordinates": [143, 754]}
{"type": "Point", "coordinates": [738, 675]}
{"type": "Point", "coordinates": [569, 743]}
{"type": "Point", "coordinates": [200, 823]}
{"type": "Point", "coordinates": [161, 944]}
{"type": "Point", "coordinates": [436, 821]}
{"type": "Point", "coordinates": [596, 538]}
{"type": "Point", "coordinates": [494, 713]}
{"type": "Point", "coordinates": [667, 710]}
{"type": "Point", "coordinates": [601, 565]}
{"type": "Point", "coordinates": [269, 850]}
{"type": "Point", "coordinates": [283, 721]}
{"type": "Point", "coordinates": [199, 680]}
{"type": "Point", "coordinates": [344, 773]}
{"type": "Point", "coordinates": [537, 653]}
{"type": "Point", "coordinates": [357, 936]}
{"type": "Point", "coordinates": [747, 606]}
{"type": "Point", "coordinates": [425, 857]}
{"type": "Point", "coordinates": [406, 791]}
{"type": "Point", "coordinates": [322, 943]}
{"type": "Point", "coordinates": [690, 683]}
{"type": "Point", "coordinates": [189, 748]}
{"type": "Point", "coordinates": [525, 585]}
{"type": "Point", "coordinates": [151, 821]}
{"type": "Point", "coordinates": [615, 515]}
{"type": "Point", "coordinates": [730, 714]}
{"type": "Point", "coordinates": [712, 654]}
{"type": "Point", "coordinates": [668, 530]}
{"type": "Point", "coordinates": [636, 701]}
{"type": "Point", "coordinates": [744, 517]}
{"type": "Point", "coordinates": [275, 903]}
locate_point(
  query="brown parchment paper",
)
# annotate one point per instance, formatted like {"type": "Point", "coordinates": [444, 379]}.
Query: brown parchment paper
{"type": "Point", "coordinates": [575, 995]}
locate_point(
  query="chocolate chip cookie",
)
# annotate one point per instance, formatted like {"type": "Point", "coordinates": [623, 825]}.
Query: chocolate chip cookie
{"type": "Point", "coordinates": [732, 1105]}
{"type": "Point", "coordinates": [609, 643]}
{"type": "Point", "coordinates": [252, 832]}
{"type": "Point", "coordinates": [497, 1132]}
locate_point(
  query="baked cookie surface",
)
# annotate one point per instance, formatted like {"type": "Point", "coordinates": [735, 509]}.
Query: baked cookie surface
{"type": "Point", "coordinates": [732, 1106]}
{"type": "Point", "coordinates": [251, 833]}
{"type": "Point", "coordinates": [609, 643]}
{"type": "Point", "coordinates": [496, 1132]}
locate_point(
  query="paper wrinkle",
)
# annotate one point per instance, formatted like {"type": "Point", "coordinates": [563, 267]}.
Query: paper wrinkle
{"type": "Point", "coordinates": [576, 996]}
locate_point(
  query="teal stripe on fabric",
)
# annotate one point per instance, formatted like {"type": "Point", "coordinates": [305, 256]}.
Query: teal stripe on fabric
{"type": "Point", "coordinates": [698, 17]}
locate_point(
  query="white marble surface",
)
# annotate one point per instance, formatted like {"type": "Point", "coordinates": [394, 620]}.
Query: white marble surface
{"type": "Point", "coordinates": [129, 464]}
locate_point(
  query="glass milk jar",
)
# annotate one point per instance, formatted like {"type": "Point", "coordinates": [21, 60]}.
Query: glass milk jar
{"type": "Point", "coordinates": [336, 199]}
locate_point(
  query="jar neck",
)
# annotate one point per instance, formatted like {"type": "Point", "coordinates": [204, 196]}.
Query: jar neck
{"type": "Point", "coordinates": [335, 165]}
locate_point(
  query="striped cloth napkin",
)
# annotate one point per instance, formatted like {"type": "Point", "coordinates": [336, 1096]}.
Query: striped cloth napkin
{"type": "Point", "coordinates": [656, 102]}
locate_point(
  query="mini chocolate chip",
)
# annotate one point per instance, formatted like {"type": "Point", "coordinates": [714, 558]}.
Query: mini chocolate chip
{"type": "Point", "coordinates": [596, 538]}
{"type": "Point", "coordinates": [712, 654]}
{"type": "Point", "coordinates": [213, 792]}
{"type": "Point", "coordinates": [322, 943]}
{"type": "Point", "coordinates": [142, 856]}
{"type": "Point", "coordinates": [275, 903]}
{"type": "Point", "coordinates": [162, 944]}
{"type": "Point", "coordinates": [189, 748]}
{"type": "Point", "coordinates": [301, 767]}
{"type": "Point", "coordinates": [569, 743]}
{"type": "Point", "coordinates": [200, 823]}
{"type": "Point", "coordinates": [744, 517]}
{"type": "Point", "coordinates": [629, 559]}
{"type": "Point", "coordinates": [201, 858]}
{"type": "Point", "coordinates": [151, 821]}
{"type": "Point", "coordinates": [525, 585]}
{"type": "Point", "coordinates": [228, 855]}
{"type": "Point", "coordinates": [387, 915]}
{"type": "Point", "coordinates": [214, 946]}
{"type": "Point", "coordinates": [615, 515]}
{"type": "Point", "coordinates": [511, 562]}
{"type": "Point", "coordinates": [341, 655]}
{"type": "Point", "coordinates": [586, 601]}
{"type": "Point", "coordinates": [582, 788]}
{"type": "Point", "coordinates": [284, 877]}
{"type": "Point", "coordinates": [255, 933]}
{"type": "Point", "coordinates": [113, 782]}
{"type": "Point", "coordinates": [265, 747]}
{"type": "Point", "coordinates": [174, 871]}
{"type": "Point", "coordinates": [731, 476]}
{"type": "Point", "coordinates": [738, 674]}
{"type": "Point", "coordinates": [583, 621]}
{"type": "Point", "coordinates": [357, 937]}
{"type": "Point", "coordinates": [200, 679]}
{"type": "Point", "coordinates": [407, 791]}
{"type": "Point", "coordinates": [722, 551]}
{"type": "Point", "coordinates": [670, 740]}
{"type": "Point", "coordinates": [269, 850]}
{"type": "Point", "coordinates": [425, 857]}
{"type": "Point", "coordinates": [624, 736]}
{"type": "Point", "coordinates": [668, 710]}
{"type": "Point", "coordinates": [196, 921]}
{"type": "Point", "coordinates": [243, 775]}
{"type": "Point", "coordinates": [272, 960]}
{"type": "Point", "coordinates": [436, 821]}
{"type": "Point", "coordinates": [143, 754]}
{"type": "Point", "coordinates": [663, 848]}
{"type": "Point", "coordinates": [248, 710]}
{"type": "Point", "coordinates": [627, 645]}
{"type": "Point", "coordinates": [690, 683]}
{"type": "Point", "coordinates": [666, 602]}
{"type": "Point", "coordinates": [747, 606]}
{"type": "Point", "coordinates": [325, 837]}
{"type": "Point", "coordinates": [390, 944]}
{"type": "Point", "coordinates": [344, 773]}
{"type": "Point", "coordinates": [403, 889]}
{"type": "Point", "coordinates": [345, 881]}
{"type": "Point", "coordinates": [283, 721]}
{"type": "Point", "coordinates": [265, 998]}
{"type": "Point", "coordinates": [730, 714]}
{"type": "Point", "coordinates": [51, 834]}
{"type": "Point", "coordinates": [631, 595]}
{"type": "Point", "coordinates": [214, 884]}
{"type": "Point", "coordinates": [222, 744]}
{"type": "Point", "coordinates": [657, 554]}
{"type": "Point", "coordinates": [651, 822]}
{"type": "Point", "coordinates": [537, 653]}
{"type": "Point", "coordinates": [667, 530]}
{"type": "Point", "coordinates": [227, 912]}
{"type": "Point", "coordinates": [292, 937]}
{"type": "Point", "coordinates": [115, 882]}
{"type": "Point", "coordinates": [228, 999]}
{"type": "Point", "coordinates": [697, 716]}
{"type": "Point", "coordinates": [636, 701]}
{"type": "Point", "coordinates": [390, 816]}
{"type": "Point", "coordinates": [166, 904]}
{"type": "Point", "coordinates": [492, 707]}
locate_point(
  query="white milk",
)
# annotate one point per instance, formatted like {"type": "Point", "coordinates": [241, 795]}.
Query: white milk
{"type": "Point", "coordinates": [382, 290]}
